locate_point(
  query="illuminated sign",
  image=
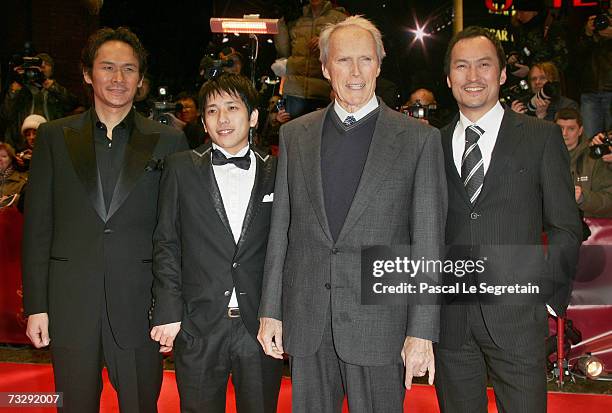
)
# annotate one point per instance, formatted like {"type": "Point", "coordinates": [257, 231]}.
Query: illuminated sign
{"type": "Point", "coordinates": [496, 6]}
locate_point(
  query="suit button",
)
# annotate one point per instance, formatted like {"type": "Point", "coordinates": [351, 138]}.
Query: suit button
{"type": "Point", "coordinates": [474, 215]}
{"type": "Point", "coordinates": [328, 286]}
{"type": "Point", "coordinates": [227, 293]}
{"type": "Point", "coordinates": [108, 231]}
{"type": "Point", "coordinates": [235, 265]}
{"type": "Point", "coordinates": [335, 251]}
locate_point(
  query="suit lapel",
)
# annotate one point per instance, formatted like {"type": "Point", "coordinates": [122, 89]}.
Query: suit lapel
{"type": "Point", "coordinates": [452, 174]}
{"type": "Point", "coordinates": [80, 145]}
{"type": "Point", "coordinates": [138, 153]}
{"type": "Point", "coordinates": [202, 162]}
{"type": "Point", "coordinates": [310, 158]}
{"type": "Point", "coordinates": [384, 149]}
{"type": "Point", "coordinates": [263, 175]}
{"type": "Point", "coordinates": [508, 139]}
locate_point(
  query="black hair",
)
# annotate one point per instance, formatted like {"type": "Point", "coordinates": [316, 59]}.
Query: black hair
{"type": "Point", "coordinates": [470, 33]}
{"type": "Point", "coordinates": [233, 84]}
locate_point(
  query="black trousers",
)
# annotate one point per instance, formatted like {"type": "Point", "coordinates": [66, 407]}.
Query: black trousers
{"type": "Point", "coordinates": [320, 382]}
{"type": "Point", "coordinates": [203, 366]}
{"type": "Point", "coordinates": [136, 374]}
{"type": "Point", "coordinates": [518, 374]}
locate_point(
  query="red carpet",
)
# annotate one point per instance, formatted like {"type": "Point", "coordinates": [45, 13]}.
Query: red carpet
{"type": "Point", "coordinates": [421, 399]}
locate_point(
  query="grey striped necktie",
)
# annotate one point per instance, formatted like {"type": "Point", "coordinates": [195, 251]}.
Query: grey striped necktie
{"type": "Point", "coordinates": [349, 120]}
{"type": "Point", "coordinates": [472, 167]}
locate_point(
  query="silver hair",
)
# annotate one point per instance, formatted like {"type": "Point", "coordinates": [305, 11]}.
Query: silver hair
{"type": "Point", "coordinates": [358, 21]}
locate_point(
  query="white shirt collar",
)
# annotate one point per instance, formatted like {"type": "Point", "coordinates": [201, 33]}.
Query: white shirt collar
{"type": "Point", "coordinates": [360, 114]}
{"type": "Point", "coordinates": [241, 152]}
{"type": "Point", "coordinates": [489, 122]}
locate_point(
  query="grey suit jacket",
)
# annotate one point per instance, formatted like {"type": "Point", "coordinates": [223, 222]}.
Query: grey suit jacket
{"type": "Point", "coordinates": [527, 190]}
{"type": "Point", "coordinates": [401, 199]}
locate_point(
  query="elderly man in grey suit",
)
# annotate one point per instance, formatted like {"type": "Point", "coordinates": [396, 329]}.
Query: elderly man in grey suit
{"type": "Point", "coordinates": [352, 175]}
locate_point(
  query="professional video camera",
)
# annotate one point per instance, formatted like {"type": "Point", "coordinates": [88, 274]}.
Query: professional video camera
{"type": "Point", "coordinates": [164, 108]}
{"type": "Point", "coordinates": [211, 68]}
{"type": "Point", "coordinates": [597, 151]}
{"type": "Point", "coordinates": [419, 111]}
{"type": "Point", "coordinates": [519, 91]}
{"type": "Point", "coordinates": [550, 91]}
{"type": "Point", "coordinates": [27, 70]}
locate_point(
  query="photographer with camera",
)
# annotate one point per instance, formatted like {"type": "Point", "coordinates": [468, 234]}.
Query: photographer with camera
{"type": "Point", "coordinates": [595, 51]}
{"type": "Point", "coordinates": [547, 99]}
{"type": "Point", "coordinates": [603, 141]}
{"type": "Point", "coordinates": [537, 38]}
{"type": "Point", "coordinates": [33, 91]}
{"type": "Point", "coordinates": [422, 106]}
{"type": "Point", "coordinates": [29, 129]}
{"type": "Point", "coordinates": [592, 178]}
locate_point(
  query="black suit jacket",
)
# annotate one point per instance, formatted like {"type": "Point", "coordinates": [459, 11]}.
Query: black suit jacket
{"type": "Point", "coordinates": [78, 258]}
{"type": "Point", "coordinates": [196, 260]}
{"type": "Point", "coordinates": [527, 190]}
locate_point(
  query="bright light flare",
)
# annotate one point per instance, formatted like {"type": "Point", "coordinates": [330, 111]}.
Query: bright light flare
{"type": "Point", "coordinates": [419, 33]}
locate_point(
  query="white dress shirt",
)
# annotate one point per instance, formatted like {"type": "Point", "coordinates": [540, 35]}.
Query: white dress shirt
{"type": "Point", "coordinates": [490, 123]}
{"type": "Point", "coordinates": [235, 186]}
{"type": "Point", "coordinates": [360, 114]}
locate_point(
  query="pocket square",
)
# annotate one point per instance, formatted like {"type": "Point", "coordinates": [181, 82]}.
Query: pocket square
{"type": "Point", "coordinates": [268, 198]}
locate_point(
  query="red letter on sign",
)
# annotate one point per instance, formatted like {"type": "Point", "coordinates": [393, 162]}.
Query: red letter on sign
{"type": "Point", "coordinates": [579, 3]}
{"type": "Point", "coordinates": [493, 7]}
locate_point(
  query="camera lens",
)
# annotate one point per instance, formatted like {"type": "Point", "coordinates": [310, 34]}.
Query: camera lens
{"type": "Point", "coordinates": [601, 22]}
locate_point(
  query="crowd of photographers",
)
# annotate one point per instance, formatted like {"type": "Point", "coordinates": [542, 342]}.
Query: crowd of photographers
{"type": "Point", "coordinates": [536, 71]}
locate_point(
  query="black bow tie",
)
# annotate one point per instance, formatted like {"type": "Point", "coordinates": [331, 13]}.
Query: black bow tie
{"type": "Point", "coordinates": [242, 162]}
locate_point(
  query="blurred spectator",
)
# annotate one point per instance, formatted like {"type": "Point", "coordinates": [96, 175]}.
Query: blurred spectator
{"type": "Point", "coordinates": [28, 131]}
{"type": "Point", "coordinates": [539, 105]}
{"type": "Point", "coordinates": [229, 53]}
{"type": "Point", "coordinates": [388, 92]}
{"type": "Point", "coordinates": [595, 53]}
{"type": "Point", "coordinates": [33, 95]}
{"type": "Point", "coordinates": [537, 37]}
{"type": "Point", "coordinates": [305, 89]}
{"type": "Point", "coordinates": [12, 181]}
{"type": "Point", "coordinates": [188, 109]}
{"type": "Point", "coordinates": [142, 102]}
{"type": "Point", "coordinates": [277, 115]}
{"type": "Point", "coordinates": [188, 112]}
{"type": "Point", "coordinates": [592, 178]}
{"type": "Point", "coordinates": [422, 105]}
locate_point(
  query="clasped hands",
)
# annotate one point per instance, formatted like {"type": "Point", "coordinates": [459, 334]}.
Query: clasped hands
{"type": "Point", "coordinates": [165, 334]}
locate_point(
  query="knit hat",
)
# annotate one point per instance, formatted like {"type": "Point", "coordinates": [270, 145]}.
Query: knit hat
{"type": "Point", "coordinates": [32, 122]}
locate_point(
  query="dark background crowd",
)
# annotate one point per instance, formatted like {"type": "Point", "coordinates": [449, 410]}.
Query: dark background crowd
{"type": "Point", "coordinates": [559, 68]}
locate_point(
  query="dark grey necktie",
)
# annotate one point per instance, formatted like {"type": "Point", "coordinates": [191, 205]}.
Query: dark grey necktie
{"type": "Point", "coordinates": [349, 120]}
{"type": "Point", "coordinates": [472, 167]}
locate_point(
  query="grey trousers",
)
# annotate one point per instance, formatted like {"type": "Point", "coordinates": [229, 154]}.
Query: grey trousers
{"type": "Point", "coordinates": [320, 382]}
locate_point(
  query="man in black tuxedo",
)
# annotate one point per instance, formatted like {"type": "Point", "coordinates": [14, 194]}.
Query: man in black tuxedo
{"type": "Point", "coordinates": [209, 251]}
{"type": "Point", "coordinates": [508, 180]}
{"type": "Point", "coordinates": [89, 220]}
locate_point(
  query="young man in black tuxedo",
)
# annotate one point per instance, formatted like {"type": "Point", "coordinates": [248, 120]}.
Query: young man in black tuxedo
{"type": "Point", "coordinates": [209, 251]}
{"type": "Point", "coordinates": [90, 213]}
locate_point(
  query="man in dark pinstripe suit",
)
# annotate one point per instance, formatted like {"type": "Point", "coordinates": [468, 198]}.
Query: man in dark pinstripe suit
{"type": "Point", "coordinates": [508, 179]}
